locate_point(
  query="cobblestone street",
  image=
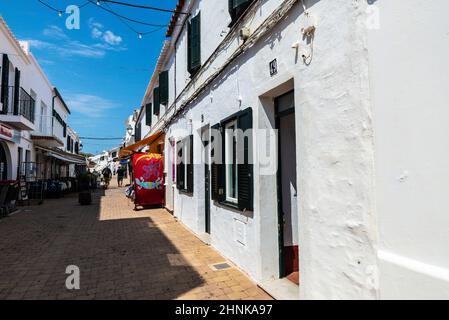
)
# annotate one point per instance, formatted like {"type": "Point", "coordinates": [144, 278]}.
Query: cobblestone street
{"type": "Point", "coordinates": [121, 254]}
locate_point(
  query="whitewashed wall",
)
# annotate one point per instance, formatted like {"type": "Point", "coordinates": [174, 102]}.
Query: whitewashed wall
{"type": "Point", "coordinates": [409, 73]}
{"type": "Point", "coordinates": [334, 150]}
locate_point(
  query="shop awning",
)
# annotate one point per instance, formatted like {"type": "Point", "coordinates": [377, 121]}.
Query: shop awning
{"type": "Point", "coordinates": [156, 138]}
{"type": "Point", "coordinates": [63, 156]}
{"type": "Point", "coordinates": [66, 159]}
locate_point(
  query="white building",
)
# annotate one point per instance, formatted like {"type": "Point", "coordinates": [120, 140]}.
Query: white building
{"type": "Point", "coordinates": [356, 94]}
{"type": "Point", "coordinates": [35, 139]}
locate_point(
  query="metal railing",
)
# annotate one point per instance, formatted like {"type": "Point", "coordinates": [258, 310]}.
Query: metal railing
{"type": "Point", "coordinates": [24, 106]}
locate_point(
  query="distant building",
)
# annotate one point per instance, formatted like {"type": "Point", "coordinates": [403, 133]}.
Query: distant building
{"type": "Point", "coordinates": [35, 139]}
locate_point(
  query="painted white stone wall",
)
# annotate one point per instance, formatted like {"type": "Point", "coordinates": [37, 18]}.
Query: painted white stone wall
{"type": "Point", "coordinates": [409, 76]}
{"type": "Point", "coordinates": [336, 213]}
{"type": "Point", "coordinates": [371, 160]}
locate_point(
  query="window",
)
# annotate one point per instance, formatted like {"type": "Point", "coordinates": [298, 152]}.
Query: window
{"type": "Point", "coordinates": [156, 101]}
{"type": "Point", "coordinates": [184, 168]}
{"type": "Point", "coordinates": [194, 44]}
{"type": "Point", "coordinates": [163, 88]}
{"type": "Point", "coordinates": [149, 114]}
{"type": "Point", "coordinates": [232, 166]}
{"type": "Point", "coordinates": [138, 134]}
{"type": "Point", "coordinates": [237, 8]}
{"type": "Point", "coordinates": [4, 98]}
{"type": "Point", "coordinates": [231, 162]}
{"type": "Point", "coordinates": [69, 143]}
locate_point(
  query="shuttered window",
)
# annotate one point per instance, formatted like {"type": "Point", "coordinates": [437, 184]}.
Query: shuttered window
{"type": "Point", "coordinates": [237, 8]}
{"type": "Point", "coordinates": [185, 167]}
{"type": "Point", "coordinates": [149, 114]}
{"type": "Point", "coordinates": [16, 91]}
{"type": "Point", "coordinates": [5, 83]}
{"type": "Point", "coordinates": [163, 87]}
{"type": "Point", "coordinates": [194, 44]}
{"type": "Point", "coordinates": [156, 101]}
{"type": "Point", "coordinates": [232, 174]}
{"type": "Point", "coordinates": [138, 133]}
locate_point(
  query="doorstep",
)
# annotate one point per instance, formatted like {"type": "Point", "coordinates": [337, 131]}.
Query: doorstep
{"type": "Point", "coordinates": [281, 289]}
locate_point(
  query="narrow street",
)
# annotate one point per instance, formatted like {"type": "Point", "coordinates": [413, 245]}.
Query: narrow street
{"type": "Point", "coordinates": [121, 254]}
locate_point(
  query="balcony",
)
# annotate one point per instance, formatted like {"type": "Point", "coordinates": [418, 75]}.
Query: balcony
{"type": "Point", "coordinates": [19, 113]}
{"type": "Point", "coordinates": [50, 133]}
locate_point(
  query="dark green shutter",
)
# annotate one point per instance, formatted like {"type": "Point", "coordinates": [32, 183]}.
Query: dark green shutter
{"type": "Point", "coordinates": [163, 87]}
{"type": "Point", "coordinates": [180, 167]}
{"type": "Point", "coordinates": [156, 101]}
{"type": "Point", "coordinates": [149, 114]}
{"type": "Point", "coordinates": [245, 170]}
{"type": "Point", "coordinates": [194, 44]}
{"type": "Point", "coordinates": [189, 143]}
{"type": "Point", "coordinates": [5, 83]}
{"type": "Point", "coordinates": [217, 167]}
{"type": "Point", "coordinates": [64, 129]}
{"type": "Point", "coordinates": [238, 3]}
{"type": "Point", "coordinates": [16, 91]}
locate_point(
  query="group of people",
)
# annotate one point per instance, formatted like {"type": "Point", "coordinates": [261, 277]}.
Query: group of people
{"type": "Point", "coordinates": [107, 176]}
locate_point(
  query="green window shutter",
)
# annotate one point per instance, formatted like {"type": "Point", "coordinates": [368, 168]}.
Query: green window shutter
{"type": "Point", "coordinates": [194, 44]}
{"type": "Point", "coordinates": [238, 3]}
{"type": "Point", "coordinates": [16, 91]}
{"type": "Point", "coordinates": [64, 129]}
{"type": "Point", "coordinates": [5, 82]}
{"type": "Point", "coordinates": [245, 170]}
{"type": "Point", "coordinates": [237, 8]}
{"type": "Point", "coordinates": [156, 101]}
{"type": "Point", "coordinates": [189, 144]}
{"type": "Point", "coordinates": [163, 87]}
{"type": "Point", "coordinates": [180, 167]}
{"type": "Point", "coordinates": [149, 114]}
{"type": "Point", "coordinates": [217, 165]}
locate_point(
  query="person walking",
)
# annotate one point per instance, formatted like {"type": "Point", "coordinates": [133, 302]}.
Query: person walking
{"type": "Point", "coordinates": [107, 173]}
{"type": "Point", "coordinates": [120, 176]}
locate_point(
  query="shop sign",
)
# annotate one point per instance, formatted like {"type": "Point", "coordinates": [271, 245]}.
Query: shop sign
{"type": "Point", "coordinates": [6, 132]}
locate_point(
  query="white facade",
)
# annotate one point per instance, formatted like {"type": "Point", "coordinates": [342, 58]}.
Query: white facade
{"type": "Point", "coordinates": [370, 120]}
{"type": "Point", "coordinates": [38, 118]}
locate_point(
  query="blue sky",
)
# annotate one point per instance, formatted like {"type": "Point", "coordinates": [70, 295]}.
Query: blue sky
{"type": "Point", "coordinates": [102, 69]}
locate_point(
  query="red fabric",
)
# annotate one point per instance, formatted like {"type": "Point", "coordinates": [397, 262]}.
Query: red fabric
{"type": "Point", "coordinates": [148, 170]}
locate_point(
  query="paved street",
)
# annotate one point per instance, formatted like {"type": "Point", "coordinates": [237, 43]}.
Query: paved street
{"type": "Point", "coordinates": [122, 254]}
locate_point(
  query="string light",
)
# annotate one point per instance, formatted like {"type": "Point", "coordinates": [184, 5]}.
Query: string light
{"type": "Point", "coordinates": [144, 7]}
{"type": "Point", "coordinates": [103, 4]}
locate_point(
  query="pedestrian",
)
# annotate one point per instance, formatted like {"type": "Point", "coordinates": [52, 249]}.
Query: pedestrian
{"type": "Point", "coordinates": [120, 176]}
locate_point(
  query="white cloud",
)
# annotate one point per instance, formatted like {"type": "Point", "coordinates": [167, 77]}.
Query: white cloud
{"type": "Point", "coordinates": [110, 38]}
{"type": "Point", "coordinates": [96, 33]}
{"type": "Point", "coordinates": [55, 32]}
{"type": "Point", "coordinates": [69, 48]}
{"type": "Point", "coordinates": [90, 106]}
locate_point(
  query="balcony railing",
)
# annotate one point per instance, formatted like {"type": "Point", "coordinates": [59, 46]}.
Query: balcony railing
{"type": "Point", "coordinates": [25, 105]}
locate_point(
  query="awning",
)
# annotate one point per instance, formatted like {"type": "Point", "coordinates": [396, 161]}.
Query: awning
{"type": "Point", "coordinates": [149, 141]}
{"type": "Point", "coordinates": [62, 156]}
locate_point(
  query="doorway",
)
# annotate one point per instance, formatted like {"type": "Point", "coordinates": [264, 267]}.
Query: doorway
{"type": "Point", "coordinates": [3, 163]}
{"type": "Point", "coordinates": [205, 137]}
{"type": "Point", "coordinates": [287, 187]}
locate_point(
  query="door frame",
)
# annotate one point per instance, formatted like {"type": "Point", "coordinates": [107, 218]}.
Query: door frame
{"type": "Point", "coordinates": [281, 218]}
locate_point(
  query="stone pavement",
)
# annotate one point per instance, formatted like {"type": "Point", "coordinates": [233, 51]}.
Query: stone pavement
{"type": "Point", "coordinates": [121, 254]}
